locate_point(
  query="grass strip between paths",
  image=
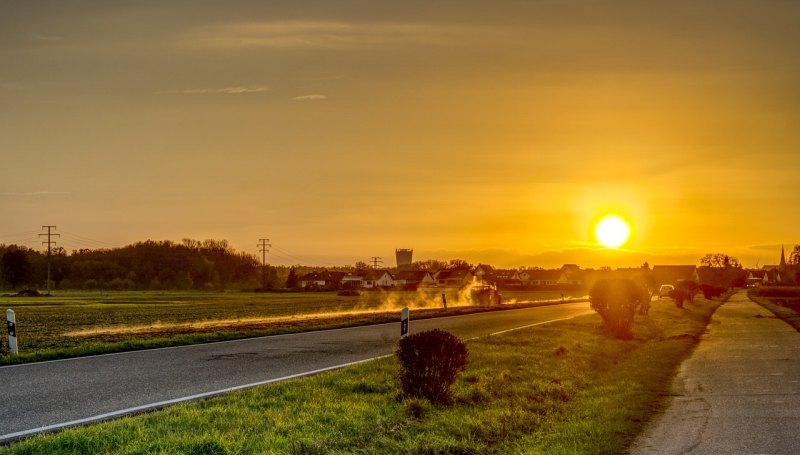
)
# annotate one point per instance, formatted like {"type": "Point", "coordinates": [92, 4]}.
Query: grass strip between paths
{"type": "Point", "coordinates": [564, 387]}
{"type": "Point", "coordinates": [782, 312]}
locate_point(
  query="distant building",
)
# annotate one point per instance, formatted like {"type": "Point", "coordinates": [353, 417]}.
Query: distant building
{"type": "Point", "coordinates": [321, 280]}
{"type": "Point", "coordinates": [413, 279]}
{"type": "Point", "coordinates": [404, 257]}
{"type": "Point", "coordinates": [454, 277]}
{"type": "Point", "coordinates": [546, 277]}
{"type": "Point", "coordinates": [377, 279]}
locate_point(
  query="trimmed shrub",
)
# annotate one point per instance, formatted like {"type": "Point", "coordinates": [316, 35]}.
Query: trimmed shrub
{"type": "Point", "coordinates": [690, 287]}
{"type": "Point", "coordinates": [709, 291]}
{"type": "Point", "coordinates": [616, 300]}
{"type": "Point", "coordinates": [679, 296]}
{"type": "Point", "coordinates": [429, 364]}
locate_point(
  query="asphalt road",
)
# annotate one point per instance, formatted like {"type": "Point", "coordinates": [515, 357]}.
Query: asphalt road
{"type": "Point", "coordinates": [47, 396]}
{"type": "Point", "coordinates": [739, 392]}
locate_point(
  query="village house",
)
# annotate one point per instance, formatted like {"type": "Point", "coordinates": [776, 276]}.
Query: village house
{"type": "Point", "coordinates": [321, 280]}
{"type": "Point", "coordinates": [546, 277]}
{"type": "Point", "coordinates": [413, 279]}
{"type": "Point", "coordinates": [483, 271]}
{"type": "Point", "coordinates": [377, 279]}
{"type": "Point", "coordinates": [454, 277]}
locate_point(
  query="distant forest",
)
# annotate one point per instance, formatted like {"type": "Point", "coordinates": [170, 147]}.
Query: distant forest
{"type": "Point", "coordinates": [199, 265]}
{"type": "Point", "coordinates": [157, 265]}
{"type": "Point", "coordinates": [149, 265]}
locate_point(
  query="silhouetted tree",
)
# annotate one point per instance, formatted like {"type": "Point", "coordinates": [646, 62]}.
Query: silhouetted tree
{"type": "Point", "coordinates": [15, 267]}
{"type": "Point", "coordinates": [794, 256]}
{"type": "Point", "coordinates": [459, 264]}
{"type": "Point", "coordinates": [291, 280]}
{"type": "Point", "coordinates": [720, 260]}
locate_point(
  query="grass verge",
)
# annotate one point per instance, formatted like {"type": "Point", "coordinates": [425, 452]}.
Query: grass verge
{"type": "Point", "coordinates": [783, 307]}
{"type": "Point", "coordinates": [565, 387]}
{"type": "Point", "coordinates": [177, 319]}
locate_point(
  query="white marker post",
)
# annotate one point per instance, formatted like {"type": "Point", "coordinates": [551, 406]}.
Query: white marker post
{"type": "Point", "coordinates": [404, 323]}
{"type": "Point", "coordinates": [11, 321]}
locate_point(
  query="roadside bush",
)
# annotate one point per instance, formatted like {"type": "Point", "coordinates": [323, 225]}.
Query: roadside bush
{"type": "Point", "coordinates": [709, 291]}
{"type": "Point", "coordinates": [616, 300]}
{"type": "Point", "coordinates": [429, 364]}
{"type": "Point", "coordinates": [679, 296]}
{"type": "Point", "coordinates": [690, 288]}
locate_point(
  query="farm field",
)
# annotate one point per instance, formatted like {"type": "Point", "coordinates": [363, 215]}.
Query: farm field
{"type": "Point", "coordinates": [565, 387]}
{"type": "Point", "coordinates": [69, 324]}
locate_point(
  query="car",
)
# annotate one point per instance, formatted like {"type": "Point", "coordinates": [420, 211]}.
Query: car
{"type": "Point", "coordinates": [664, 290]}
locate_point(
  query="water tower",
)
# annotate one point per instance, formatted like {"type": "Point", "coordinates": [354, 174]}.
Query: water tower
{"type": "Point", "coordinates": [403, 256]}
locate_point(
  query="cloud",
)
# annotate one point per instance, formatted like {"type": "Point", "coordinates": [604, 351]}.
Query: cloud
{"type": "Point", "coordinates": [39, 37]}
{"type": "Point", "coordinates": [37, 193]}
{"type": "Point", "coordinates": [225, 91]}
{"type": "Point", "coordinates": [320, 34]}
{"type": "Point", "coordinates": [310, 98]}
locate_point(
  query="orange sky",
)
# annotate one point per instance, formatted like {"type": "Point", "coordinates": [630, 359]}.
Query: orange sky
{"type": "Point", "coordinates": [494, 132]}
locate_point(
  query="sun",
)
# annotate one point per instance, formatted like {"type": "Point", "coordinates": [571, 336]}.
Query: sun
{"type": "Point", "coordinates": [612, 231]}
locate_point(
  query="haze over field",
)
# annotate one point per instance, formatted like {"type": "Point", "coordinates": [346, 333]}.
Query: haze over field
{"type": "Point", "coordinates": [494, 132]}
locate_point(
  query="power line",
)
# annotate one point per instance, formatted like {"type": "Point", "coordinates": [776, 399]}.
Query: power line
{"type": "Point", "coordinates": [375, 260]}
{"type": "Point", "coordinates": [264, 243]}
{"type": "Point", "coordinates": [88, 240]}
{"type": "Point", "coordinates": [49, 244]}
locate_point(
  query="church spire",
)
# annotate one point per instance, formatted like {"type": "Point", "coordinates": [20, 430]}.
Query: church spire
{"type": "Point", "coordinates": [783, 259]}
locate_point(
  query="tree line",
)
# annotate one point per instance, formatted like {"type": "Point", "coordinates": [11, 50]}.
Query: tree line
{"type": "Point", "coordinates": [190, 264]}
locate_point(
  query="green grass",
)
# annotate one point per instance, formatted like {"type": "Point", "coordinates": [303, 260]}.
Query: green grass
{"type": "Point", "coordinates": [782, 302]}
{"type": "Point", "coordinates": [560, 388]}
{"type": "Point", "coordinates": [71, 324]}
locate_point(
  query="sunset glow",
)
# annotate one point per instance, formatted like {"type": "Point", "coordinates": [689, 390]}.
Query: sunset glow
{"type": "Point", "coordinates": [612, 231]}
{"type": "Point", "coordinates": [341, 132]}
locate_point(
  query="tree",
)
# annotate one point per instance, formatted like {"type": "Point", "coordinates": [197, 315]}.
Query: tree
{"type": "Point", "coordinates": [15, 267]}
{"type": "Point", "coordinates": [361, 265]}
{"type": "Point", "coordinates": [794, 256]}
{"type": "Point", "coordinates": [460, 264]}
{"type": "Point", "coordinates": [720, 260]}
{"type": "Point", "coordinates": [291, 280]}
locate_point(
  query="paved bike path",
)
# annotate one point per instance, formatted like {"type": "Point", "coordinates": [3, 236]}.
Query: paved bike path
{"type": "Point", "coordinates": [739, 392]}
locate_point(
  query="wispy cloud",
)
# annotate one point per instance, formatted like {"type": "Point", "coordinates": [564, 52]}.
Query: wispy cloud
{"type": "Point", "coordinates": [224, 91]}
{"type": "Point", "coordinates": [40, 37]}
{"type": "Point", "coordinates": [37, 193]}
{"type": "Point", "coordinates": [310, 98]}
{"type": "Point", "coordinates": [321, 34]}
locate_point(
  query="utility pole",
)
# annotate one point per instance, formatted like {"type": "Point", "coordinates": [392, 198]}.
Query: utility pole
{"type": "Point", "coordinates": [264, 248]}
{"type": "Point", "coordinates": [49, 244]}
{"type": "Point", "coordinates": [375, 260]}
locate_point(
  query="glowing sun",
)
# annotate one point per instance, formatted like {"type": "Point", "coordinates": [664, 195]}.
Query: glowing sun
{"type": "Point", "coordinates": [612, 231]}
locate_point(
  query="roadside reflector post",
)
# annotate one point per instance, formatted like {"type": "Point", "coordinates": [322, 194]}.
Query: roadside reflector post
{"type": "Point", "coordinates": [404, 323]}
{"type": "Point", "coordinates": [11, 322]}
{"type": "Point", "coordinates": [444, 302]}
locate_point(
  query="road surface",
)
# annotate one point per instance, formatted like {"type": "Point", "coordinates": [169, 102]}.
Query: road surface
{"type": "Point", "coordinates": [47, 396]}
{"type": "Point", "coordinates": [739, 392]}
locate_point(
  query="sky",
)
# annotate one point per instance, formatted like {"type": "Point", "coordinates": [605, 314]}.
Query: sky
{"type": "Point", "coordinates": [496, 132]}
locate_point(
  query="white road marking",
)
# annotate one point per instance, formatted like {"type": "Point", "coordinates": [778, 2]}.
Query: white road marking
{"type": "Point", "coordinates": [6, 438]}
